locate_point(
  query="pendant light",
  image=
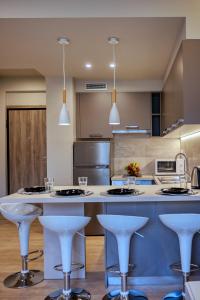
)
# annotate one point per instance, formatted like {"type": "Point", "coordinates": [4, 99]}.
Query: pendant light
{"type": "Point", "coordinates": [64, 117]}
{"type": "Point", "coordinates": [114, 118]}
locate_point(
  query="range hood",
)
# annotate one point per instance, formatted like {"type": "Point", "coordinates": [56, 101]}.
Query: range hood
{"type": "Point", "coordinates": [132, 129]}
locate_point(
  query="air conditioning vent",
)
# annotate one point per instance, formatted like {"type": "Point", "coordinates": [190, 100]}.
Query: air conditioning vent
{"type": "Point", "coordinates": [96, 86]}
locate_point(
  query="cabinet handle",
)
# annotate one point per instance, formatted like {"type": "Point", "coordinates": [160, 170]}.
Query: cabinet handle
{"type": "Point", "coordinates": [132, 127]}
{"type": "Point", "coordinates": [96, 135]}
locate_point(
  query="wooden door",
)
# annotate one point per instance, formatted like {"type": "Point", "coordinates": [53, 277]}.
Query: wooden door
{"type": "Point", "coordinates": [26, 133]}
{"type": "Point", "coordinates": [93, 114]}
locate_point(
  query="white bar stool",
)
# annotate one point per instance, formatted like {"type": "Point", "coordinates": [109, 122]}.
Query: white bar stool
{"type": "Point", "coordinates": [23, 215]}
{"type": "Point", "coordinates": [66, 227]}
{"type": "Point", "coordinates": [123, 227]}
{"type": "Point", "coordinates": [185, 226]}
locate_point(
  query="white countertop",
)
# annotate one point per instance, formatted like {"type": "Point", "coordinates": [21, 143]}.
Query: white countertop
{"type": "Point", "coordinates": [97, 196]}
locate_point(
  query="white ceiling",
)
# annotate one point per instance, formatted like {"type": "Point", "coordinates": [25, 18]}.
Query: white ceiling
{"type": "Point", "coordinates": [143, 53]}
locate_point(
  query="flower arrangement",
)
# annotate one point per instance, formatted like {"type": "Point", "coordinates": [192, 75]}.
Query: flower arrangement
{"type": "Point", "coordinates": [133, 169]}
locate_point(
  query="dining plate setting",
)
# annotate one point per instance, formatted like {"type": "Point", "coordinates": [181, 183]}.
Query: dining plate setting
{"type": "Point", "coordinates": [176, 191]}
{"type": "Point", "coordinates": [71, 193]}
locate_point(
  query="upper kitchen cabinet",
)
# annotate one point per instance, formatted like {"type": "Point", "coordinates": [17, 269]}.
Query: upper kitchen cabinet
{"type": "Point", "coordinates": [134, 109]}
{"type": "Point", "coordinates": [181, 92]}
{"type": "Point", "coordinates": [92, 115]}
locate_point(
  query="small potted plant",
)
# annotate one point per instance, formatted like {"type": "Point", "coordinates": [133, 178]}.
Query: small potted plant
{"type": "Point", "coordinates": [133, 169]}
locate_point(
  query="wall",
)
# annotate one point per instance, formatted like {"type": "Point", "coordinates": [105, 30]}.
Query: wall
{"type": "Point", "coordinates": [191, 147]}
{"type": "Point", "coordinates": [124, 85]}
{"type": "Point", "coordinates": [145, 150]}
{"type": "Point", "coordinates": [60, 138]}
{"type": "Point", "coordinates": [30, 88]}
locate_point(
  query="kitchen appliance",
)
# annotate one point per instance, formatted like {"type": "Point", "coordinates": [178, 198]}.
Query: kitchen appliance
{"type": "Point", "coordinates": [92, 159]}
{"type": "Point", "coordinates": [170, 166]}
{"type": "Point", "coordinates": [195, 178]}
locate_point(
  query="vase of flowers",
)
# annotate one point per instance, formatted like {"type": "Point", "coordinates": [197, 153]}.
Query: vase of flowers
{"type": "Point", "coordinates": [133, 169]}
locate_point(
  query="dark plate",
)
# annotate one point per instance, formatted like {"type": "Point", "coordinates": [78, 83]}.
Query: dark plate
{"type": "Point", "coordinates": [70, 192]}
{"type": "Point", "coordinates": [175, 190]}
{"type": "Point", "coordinates": [120, 191]}
{"type": "Point", "coordinates": [34, 189]}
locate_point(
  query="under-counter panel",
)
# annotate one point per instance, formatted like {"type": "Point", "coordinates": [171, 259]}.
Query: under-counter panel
{"type": "Point", "coordinates": [159, 248]}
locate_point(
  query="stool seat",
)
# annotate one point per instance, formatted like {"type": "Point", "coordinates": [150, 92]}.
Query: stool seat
{"type": "Point", "coordinates": [182, 223]}
{"type": "Point", "coordinates": [66, 227]}
{"type": "Point", "coordinates": [119, 224]}
{"type": "Point", "coordinates": [185, 226]}
{"type": "Point", "coordinates": [22, 215]}
{"type": "Point", "coordinates": [20, 212]}
{"type": "Point", "coordinates": [64, 224]}
{"type": "Point", "coordinates": [123, 227]}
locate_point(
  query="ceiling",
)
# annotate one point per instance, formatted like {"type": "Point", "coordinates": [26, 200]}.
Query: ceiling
{"type": "Point", "coordinates": [143, 53]}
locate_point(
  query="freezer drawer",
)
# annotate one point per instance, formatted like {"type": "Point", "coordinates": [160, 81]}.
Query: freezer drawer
{"type": "Point", "coordinates": [96, 176]}
{"type": "Point", "coordinates": [91, 153]}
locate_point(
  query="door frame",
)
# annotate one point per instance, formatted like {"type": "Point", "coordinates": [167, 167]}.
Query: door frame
{"type": "Point", "coordinates": [9, 108]}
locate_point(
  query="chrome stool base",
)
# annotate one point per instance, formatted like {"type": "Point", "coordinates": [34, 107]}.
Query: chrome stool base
{"type": "Point", "coordinates": [175, 295]}
{"type": "Point", "coordinates": [132, 295]}
{"type": "Point", "coordinates": [76, 294]}
{"type": "Point", "coordinates": [23, 280]}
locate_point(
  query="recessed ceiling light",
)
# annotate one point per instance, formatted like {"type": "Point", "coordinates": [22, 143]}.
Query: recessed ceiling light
{"type": "Point", "coordinates": [88, 65]}
{"type": "Point", "coordinates": [112, 65]}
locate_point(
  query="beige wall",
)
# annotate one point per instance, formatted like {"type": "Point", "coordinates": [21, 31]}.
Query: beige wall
{"type": "Point", "coordinates": [145, 150]}
{"type": "Point", "coordinates": [59, 138]}
{"type": "Point", "coordinates": [10, 91]}
{"type": "Point", "coordinates": [191, 147]}
{"type": "Point", "coordinates": [124, 85]}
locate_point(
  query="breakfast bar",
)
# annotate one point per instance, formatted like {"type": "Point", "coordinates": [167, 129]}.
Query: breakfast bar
{"type": "Point", "coordinates": [151, 252]}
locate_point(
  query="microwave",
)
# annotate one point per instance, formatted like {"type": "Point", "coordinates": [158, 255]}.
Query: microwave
{"type": "Point", "coordinates": [169, 166]}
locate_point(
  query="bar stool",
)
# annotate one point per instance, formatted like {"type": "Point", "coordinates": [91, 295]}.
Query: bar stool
{"type": "Point", "coordinates": [66, 227]}
{"type": "Point", "coordinates": [23, 215]}
{"type": "Point", "coordinates": [185, 226]}
{"type": "Point", "coordinates": [123, 227]}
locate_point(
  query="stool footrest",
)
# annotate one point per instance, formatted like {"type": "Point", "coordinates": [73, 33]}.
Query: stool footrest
{"type": "Point", "coordinates": [177, 267]}
{"type": "Point", "coordinates": [74, 267]}
{"type": "Point", "coordinates": [39, 252]}
{"type": "Point", "coordinates": [115, 268]}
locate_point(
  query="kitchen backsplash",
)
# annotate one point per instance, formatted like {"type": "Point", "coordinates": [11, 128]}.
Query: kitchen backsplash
{"type": "Point", "coordinates": [145, 150]}
{"type": "Point", "coordinates": [191, 147]}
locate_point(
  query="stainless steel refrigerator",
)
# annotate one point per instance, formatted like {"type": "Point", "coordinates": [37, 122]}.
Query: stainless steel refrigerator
{"type": "Point", "coordinates": [93, 160]}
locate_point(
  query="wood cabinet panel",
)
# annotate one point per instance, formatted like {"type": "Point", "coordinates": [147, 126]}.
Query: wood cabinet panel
{"type": "Point", "coordinates": [93, 115]}
{"type": "Point", "coordinates": [172, 97]}
{"type": "Point", "coordinates": [181, 92]}
{"type": "Point", "coordinates": [134, 109]}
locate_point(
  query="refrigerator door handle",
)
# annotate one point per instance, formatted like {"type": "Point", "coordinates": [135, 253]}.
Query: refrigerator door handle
{"type": "Point", "coordinates": [93, 167]}
{"type": "Point", "coordinates": [101, 167]}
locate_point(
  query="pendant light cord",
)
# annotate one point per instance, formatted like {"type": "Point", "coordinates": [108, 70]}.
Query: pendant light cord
{"type": "Point", "coordinates": [63, 52]}
{"type": "Point", "coordinates": [114, 69]}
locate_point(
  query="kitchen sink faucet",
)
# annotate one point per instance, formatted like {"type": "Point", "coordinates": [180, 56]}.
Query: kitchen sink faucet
{"type": "Point", "coordinates": [186, 165]}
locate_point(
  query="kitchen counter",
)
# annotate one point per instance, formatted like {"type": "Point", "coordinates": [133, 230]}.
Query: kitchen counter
{"type": "Point", "coordinates": [99, 195]}
{"type": "Point", "coordinates": [151, 254]}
